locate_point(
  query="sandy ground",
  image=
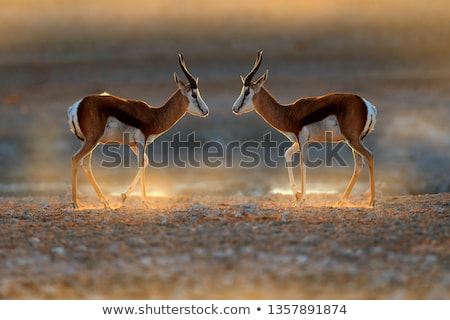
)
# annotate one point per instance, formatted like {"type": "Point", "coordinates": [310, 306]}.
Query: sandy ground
{"type": "Point", "coordinates": [226, 247]}
{"type": "Point", "coordinates": [221, 232]}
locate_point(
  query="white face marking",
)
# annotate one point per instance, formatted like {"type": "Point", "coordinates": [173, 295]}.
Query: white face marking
{"type": "Point", "coordinates": [72, 115]}
{"type": "Point", "coordinates": [244, 103]}
{"type": "Point", "coordinates": [197, 106]}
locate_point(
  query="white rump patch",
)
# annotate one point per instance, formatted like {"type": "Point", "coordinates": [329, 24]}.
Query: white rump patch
{"type": "Point", "coordinates": [72, 115]}
{"type": "Point", "coordinates": [371, 118]}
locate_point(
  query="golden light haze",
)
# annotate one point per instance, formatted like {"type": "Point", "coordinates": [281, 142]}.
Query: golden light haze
{"type": "Point", "coordinates": [46, 22]}
{"type": "Point", "coordinates": [395, 53]}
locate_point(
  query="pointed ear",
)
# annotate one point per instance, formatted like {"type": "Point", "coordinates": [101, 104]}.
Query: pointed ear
{"type": "Point", "coordinates": [179, 82]}
{"type": "Point", "coordinates": [260, 82]}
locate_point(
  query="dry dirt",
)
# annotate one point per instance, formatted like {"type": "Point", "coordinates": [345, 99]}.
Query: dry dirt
{"type": "Point", "coordinates": [226, 247]}
{"type": "Point", "coordinates": [221, 232]}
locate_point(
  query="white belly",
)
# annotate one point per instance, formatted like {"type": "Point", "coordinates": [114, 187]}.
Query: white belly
{"type": "Point", "coordinates": [326, 130]}
{"type": "Point", "coordinates": [119, 132]}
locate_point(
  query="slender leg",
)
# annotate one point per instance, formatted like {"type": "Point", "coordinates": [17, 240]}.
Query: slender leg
{"type": "Point", "coordinates": [358, 166]}
{"type": "Point", "coordinates": [372, 182]}
{"type": "Point", "coordinates": [371, 162]}
{"type": "Point", "coordinates": [357, 146]}
{"type": "Point", "coordinates": [138, 175]}
{"type": "Point", "coordinates": [85, 151]}
{"type": "Point", "coordinates": [300, 196]}
{"type": "Point", "coordinates": [75, 203]}
{"type": "Point", "coordinates": [288, 156]}
{"type": "Point", "coordinates": [86, 165]}
{"type": "Point", "coordinates": [142, 164]}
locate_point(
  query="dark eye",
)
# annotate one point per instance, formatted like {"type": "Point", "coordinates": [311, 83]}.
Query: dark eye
{"type": "Point", "coordinates": [194, 95]}
{"type": "Point", "coordinates": [247, 92]}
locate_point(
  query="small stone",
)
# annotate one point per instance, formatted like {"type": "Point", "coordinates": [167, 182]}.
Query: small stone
{"type": "Point", "coordinates": [60, 251]}
{"type": "Point", "coordinates": [34, 240]}
{"type": "Point", "coordinates": [285, 217]}
{"type": "Point", "coordinates": [146, 261]}
{"type": "Point", "coordinates": [114, 247]}
{"type": "Point", "coordinates": [302, 259]}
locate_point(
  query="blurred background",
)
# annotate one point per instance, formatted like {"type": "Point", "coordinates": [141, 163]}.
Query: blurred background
{"type": "Point", "coordinates": [394, 53]}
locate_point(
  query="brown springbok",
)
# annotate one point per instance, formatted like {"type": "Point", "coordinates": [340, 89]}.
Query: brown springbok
{"type": "Point", "coordinates": [106, 119]}
{"type": "Point", "coordinates": [348, 117]}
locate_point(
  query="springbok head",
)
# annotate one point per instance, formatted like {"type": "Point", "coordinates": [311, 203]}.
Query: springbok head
{"type": "Point", "coordinates": [244, 103]}
{"type": "Point", "coordinates": [190, 90]}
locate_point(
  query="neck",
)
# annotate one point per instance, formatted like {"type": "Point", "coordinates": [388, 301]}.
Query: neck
{"type": "Point", "coordinates": [270, 110]}
{"type": "Point", "coordinates": [171, 111]}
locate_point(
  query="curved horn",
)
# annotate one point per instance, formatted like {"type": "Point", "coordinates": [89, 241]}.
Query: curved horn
{"type": "Point", "coordinates": [248, 78]}
{"type": "Point", "coordinates": [189, 76]}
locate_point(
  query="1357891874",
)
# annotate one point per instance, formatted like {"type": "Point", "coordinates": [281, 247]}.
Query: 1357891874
{"type": "Point", "coordinates": [307, 309]}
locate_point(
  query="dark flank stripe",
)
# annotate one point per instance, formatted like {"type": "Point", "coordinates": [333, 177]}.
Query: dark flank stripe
{"type": "Point", "coordinates": [349, 109]}
{"type": "Point", "coordinates": [94, 111]}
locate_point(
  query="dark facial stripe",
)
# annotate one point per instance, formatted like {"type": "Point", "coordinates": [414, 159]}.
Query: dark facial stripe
{"type": "Point", "coordinates": [241, 105]}
{"type": "Point", "coordinates": [246, 93]}
{"type": "Point", "coordinates": [195, 97]}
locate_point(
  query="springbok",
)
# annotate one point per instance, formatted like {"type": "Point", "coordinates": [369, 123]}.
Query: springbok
{"type": "Point", "coordinates": [107, 119]}
{"type": "Point", "coordinates": [348, 117]}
